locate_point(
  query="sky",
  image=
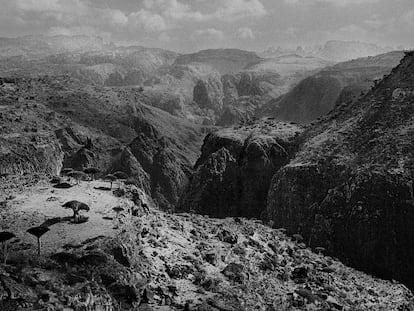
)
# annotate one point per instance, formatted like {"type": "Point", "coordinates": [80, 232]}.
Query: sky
{"type": "Point", "coordinates": [190, 25]}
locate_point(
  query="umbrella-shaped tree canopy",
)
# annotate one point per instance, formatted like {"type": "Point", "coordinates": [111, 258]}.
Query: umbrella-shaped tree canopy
{"type": "Point", "coordinates": [120, 175]}
{"type": "Point", "coordinates": [91, 170]}
{"type": "Point", "coordinates": [76, 206]}
{"type": "Point", "coordinates": [111, 177]}
{"type": "Point", "coordinates": [5, 236]}
{"type": "Point", "coordinates": [38, 231]}
{"type": "Point", "coordinates": [77, 174]}
{"type": "Point", "coordinates": [66, 170]}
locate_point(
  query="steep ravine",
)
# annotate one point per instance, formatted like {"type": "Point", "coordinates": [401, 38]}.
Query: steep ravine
{"type": "Point", "coordinates": [349, 189]}
{"type": "Point", "coordinates": [233, 173]}
{"type": "Point", "coordinates": [344, 184]}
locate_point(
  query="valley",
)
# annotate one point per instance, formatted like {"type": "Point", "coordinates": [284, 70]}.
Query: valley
{"type": "Point", "coordinates": [277, 180]}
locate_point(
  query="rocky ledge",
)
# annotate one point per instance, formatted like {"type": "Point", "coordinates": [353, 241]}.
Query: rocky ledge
{"type": "Point", "coordinates": [126, 258]}
{"type": "Point", "coordinates": [236, 166]}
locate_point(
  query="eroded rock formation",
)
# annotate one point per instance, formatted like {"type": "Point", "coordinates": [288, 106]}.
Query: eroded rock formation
{"type": "Point", "coordinates": [349, 189]}
{"type": "Point", "coordinates": [235, 168]}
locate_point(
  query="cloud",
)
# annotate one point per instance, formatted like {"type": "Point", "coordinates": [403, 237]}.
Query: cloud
{"type": "Point", "coordinates": [226, 10]}
{"type": "Point", "coordinates": [237, 9]}
{"type": "Point", "coordinates": [245, 33]}
{"type": "Point", "coordinates": [333, 2]}
{"type": "Point", "coordinates": [149, 21]}
{"type": "Point", "coordinates": [208, 34]}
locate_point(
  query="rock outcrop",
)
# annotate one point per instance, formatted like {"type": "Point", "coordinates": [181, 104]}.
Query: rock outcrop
{"type": "Point", "coordinates": [162, 261]}
{"type": "Point", "coordinates": [235, 168]}
{"type": "Point", "coordinates": [349, 189]}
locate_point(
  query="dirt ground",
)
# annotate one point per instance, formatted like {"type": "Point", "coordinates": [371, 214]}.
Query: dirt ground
{"type": "Point", "coordinates": [43, 202]}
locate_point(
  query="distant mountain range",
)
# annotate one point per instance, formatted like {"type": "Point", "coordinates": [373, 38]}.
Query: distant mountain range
{"type": "Point", "coordinates": [335, 50]}
{"type": "Point", "coordinates": [210, 87]}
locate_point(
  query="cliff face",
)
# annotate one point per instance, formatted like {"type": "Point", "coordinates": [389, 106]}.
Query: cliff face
{"type": "Point", "coordinates": [235, 168]}
{"type": "Point", "coordinates": [349, 189]}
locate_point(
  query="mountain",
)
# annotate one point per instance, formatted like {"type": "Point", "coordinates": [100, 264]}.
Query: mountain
{"type": "Point", "coordinates": [349, 188]}
{"type": "Point", "coordinates": [221, 86]}
{"type": "Point", "coordinates": [233, 174]}
{"type": "Point", "coordinates": [334, 50]}
{"type": "Point", "coordinates": [223, 60]}
{"type": "Point", "coordinates": [316, 95]}
{"type": "Point", "coordinates": [344, 183]}
{"type": "Point", "coordinates": [54, 122]}
{"type": "Point", "coordinates": [35, 46]}
{"type": "Point", "coordinates": [346, 50]}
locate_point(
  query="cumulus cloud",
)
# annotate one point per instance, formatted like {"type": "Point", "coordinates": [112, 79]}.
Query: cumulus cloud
{"type": "Point", "coordinates": [147, 20]}
{"type": "Point", "coordinates": [151, 16]}
{"type": "Point", "coordinates": [245, 33]}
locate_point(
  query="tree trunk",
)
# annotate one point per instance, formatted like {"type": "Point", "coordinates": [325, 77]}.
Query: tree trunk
{"type": "Point", "coordinates": [4, 246]}
{"type": "Point", "coordinates": [38, 246]}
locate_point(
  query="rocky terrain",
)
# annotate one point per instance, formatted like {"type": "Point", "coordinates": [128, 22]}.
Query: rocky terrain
{"type": "Point", "coordinates": [315, 96]}
{"type": "Point", "coordinates": [124, 258]}
{"type": "Point", "coordinates": [222, 86]}
{"type": "Point", "coordinates": [349, 189]}
{"type": "Point", "coordinates": [338, 189]}
{"type": "Point", "coordinates": [233, 174]}
{"type": "Point", "coordinates": [54, 122]}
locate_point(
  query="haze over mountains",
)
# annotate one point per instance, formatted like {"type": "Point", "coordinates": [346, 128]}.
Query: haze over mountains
{"type": "Point", "coordinates": [333, 50]}
{"type": "Point", "coordinates": [220, 87]}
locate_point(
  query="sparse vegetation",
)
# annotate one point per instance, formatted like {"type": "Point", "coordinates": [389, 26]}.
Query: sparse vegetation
{"type": "Point", "coordinates": [38, 232]}
{"type": "Point", "coordinates": [111, 178]}
{"type": "Point", "coordinates": [76, 207]}
{"type": "Point", "coordinates": [92, 171]}
{"type": "Point", "coordinates": [78, 175]}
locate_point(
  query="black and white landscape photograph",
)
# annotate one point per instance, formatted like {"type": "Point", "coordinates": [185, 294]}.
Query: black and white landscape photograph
{"type": "Point", "coordinates": [206, 155]}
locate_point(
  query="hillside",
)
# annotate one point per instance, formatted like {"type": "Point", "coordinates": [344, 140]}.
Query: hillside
{"type": "Point", "coordinates": [135, 260]}
{"type": "Point", "coordinates": [221, 86]}
{"type": "Point", "coordinates": [349, 189]}
{"type": "Point", "coordinates": [50, 122]}
{"type": "Point", "coordinates": [316, 95]}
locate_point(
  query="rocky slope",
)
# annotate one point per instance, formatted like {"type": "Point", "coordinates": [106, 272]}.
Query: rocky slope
{"type": "Point", "coordinates": [127, 259]}
{"type": "Point", "coordinates": [236, 166]}
{"type": "Point", "coordinates": [55, 122]}
{"type": "Point", "coordinates": [222, 86]}
{"type": "Point", "coordinates": [349, 189]}
{"type": "Point", "coordinates": [316, 95]}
